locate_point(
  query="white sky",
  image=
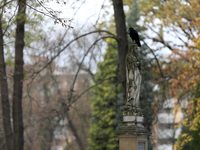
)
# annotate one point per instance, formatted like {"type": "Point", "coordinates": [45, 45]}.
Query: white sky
{"type": "Point", "coordinates": [85, 13]}
{"type": "Point", "coordinates": [82, 11]}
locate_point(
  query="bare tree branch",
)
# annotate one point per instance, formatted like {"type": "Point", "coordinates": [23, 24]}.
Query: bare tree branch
{"type": "Point", "coordinates": [155, 59]}
{"type": "Point", "coordinates": [93, 87]}
{"type": "Point", "coordinates": [160, 39]}
{"type": "Point", "coordinates": [6, 3]}
{"type": "Point", "coordinates": [98, 31]}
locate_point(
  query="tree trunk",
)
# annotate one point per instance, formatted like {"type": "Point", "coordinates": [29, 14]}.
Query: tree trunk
{"type": "Point", "coordinates": [78, 139]}
{"type": "Point", "coordinates": [4, 95]}
{"type": "Point", "coordinates": [18, 78]}
{"type": "Point", "coordinates": [122, 43]}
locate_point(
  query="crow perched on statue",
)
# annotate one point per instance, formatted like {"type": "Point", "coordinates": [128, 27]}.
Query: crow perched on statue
{"type": "Point", "coordinates": [134, 36]}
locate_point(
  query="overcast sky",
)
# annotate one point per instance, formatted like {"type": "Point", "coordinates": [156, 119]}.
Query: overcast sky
{"type": "Point", "coordinates": [83, 12]}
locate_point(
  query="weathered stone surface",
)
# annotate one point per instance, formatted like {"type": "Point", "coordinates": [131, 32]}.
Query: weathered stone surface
{"type": "Point", "coordinates": [139, 119]}
{"type": "Point", "coordinates": [129, 110]}
{"type": "Point", "coordinates": [129, 118]}
{"type": "Point", "coordinates": [132, 130]}
{"type": "Point", "coordinates": [133, 120]}
{"type": "Point", "coordinates": [131, 142]}
{"type": "Point", "coordinates": [133, 76]}
{"type": "Point", "coordinates": [128, 142]}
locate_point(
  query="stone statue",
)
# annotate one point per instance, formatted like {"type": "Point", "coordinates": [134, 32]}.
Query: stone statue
{"type": "Point", "coordinates": [133, 76]}
{"type": "Point", "coordinates": [132, 127]}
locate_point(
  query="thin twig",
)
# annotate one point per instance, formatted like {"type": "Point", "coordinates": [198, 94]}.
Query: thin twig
{"type": "Point", "coordinates": [155, 58]}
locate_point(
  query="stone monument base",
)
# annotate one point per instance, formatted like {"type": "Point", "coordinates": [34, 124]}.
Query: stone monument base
{"type": "Point", "coordinates": [133, 142]}
{"type": "Point", "coordinates": [132, 134]}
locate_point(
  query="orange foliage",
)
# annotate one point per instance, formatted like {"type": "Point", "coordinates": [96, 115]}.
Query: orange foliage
{"type": "Point", "coordinates": [186, 76]}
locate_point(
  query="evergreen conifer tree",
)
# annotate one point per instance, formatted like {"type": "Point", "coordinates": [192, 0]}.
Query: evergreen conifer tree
{"type": "Point", "coordinates": [186, 130]}
{"type": "Point", "coordinates": [105, 103]}
{"type": "Point", "coordinates": [195, 142]}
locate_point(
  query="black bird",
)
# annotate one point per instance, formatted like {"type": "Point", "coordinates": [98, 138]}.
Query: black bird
{"type": "Point", "coordinates": [134, 36]}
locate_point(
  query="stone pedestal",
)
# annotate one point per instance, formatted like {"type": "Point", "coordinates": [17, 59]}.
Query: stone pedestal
{"type": "Point", "coordinates": [133, 142]}
{"type": "Point", "coordinates": [132, 134]}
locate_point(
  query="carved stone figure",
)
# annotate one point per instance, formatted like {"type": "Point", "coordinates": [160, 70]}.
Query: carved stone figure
{"type": "Point", "coordinates": [133, 76]}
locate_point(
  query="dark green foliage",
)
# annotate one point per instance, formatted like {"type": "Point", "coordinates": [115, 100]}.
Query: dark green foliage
{"type": "Point", "coordinates": [105, 103]}
{"type": "Point", "coordinates": [195, 142]}
{"type": "Point", "coordinates": [197, 94]}
{"type": "Point", "coordinates": [186, 146]}
{"type": "Point", "coordinates": [133, 17]}
{"type": "Point", "coordinates": [146, 91]}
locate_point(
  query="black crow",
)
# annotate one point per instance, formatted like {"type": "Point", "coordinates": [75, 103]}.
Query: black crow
{"type": "Point", "coordinates": [134, 36]}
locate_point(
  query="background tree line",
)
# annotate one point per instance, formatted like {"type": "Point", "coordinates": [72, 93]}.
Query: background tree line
{"type": "Point", "coordinates": [71, 88]}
